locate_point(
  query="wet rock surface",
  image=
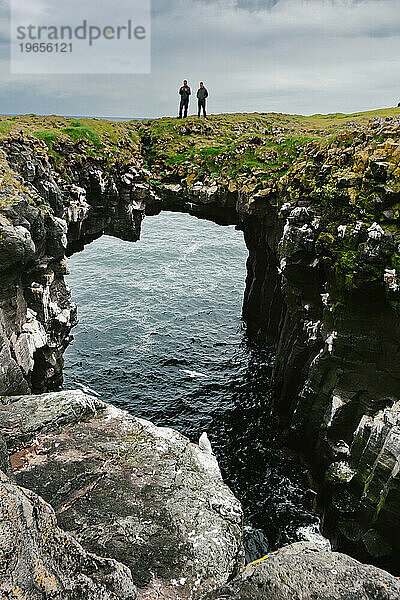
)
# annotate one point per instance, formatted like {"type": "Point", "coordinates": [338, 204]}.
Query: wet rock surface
{"type": "Point", "coordinates": [126, 489]}
{"type": "Point", "coordinates": [305, 572]}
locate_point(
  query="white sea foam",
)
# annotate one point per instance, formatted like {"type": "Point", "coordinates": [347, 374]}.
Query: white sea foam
{"type": "Point", "coordinates": [193, 374]}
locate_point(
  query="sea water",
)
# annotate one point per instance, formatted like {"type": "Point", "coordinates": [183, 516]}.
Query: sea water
{"type": "Point", "coordinates": [161, 336]}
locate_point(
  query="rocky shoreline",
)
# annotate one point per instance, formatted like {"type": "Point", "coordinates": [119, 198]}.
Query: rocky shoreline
{"type": "Point", "coordinates": [321, 229]}
{"type": "Point", "coordinates": [152, 501]}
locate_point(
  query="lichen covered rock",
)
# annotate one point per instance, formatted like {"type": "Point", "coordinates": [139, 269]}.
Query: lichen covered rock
{"type": "Point", "coordinates": [39, 561]}
{"type": "Point", "coordinates": [305, 572]}
{"type": "Point", "coordinates": [318, 200]}
{"type": "Point", "coordinates": [126, 489]}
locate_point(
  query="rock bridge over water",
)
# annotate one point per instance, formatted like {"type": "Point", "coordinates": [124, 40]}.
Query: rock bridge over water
{"type": "Point", "coordinates": [318, 204]}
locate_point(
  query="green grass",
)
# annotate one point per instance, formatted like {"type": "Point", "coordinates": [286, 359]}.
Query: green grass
{"type": "Point", "coordinates": [104, 140]}
{"type": "Point", "coordinates": [229, 146]}
{"type": "Point", "coordinates": [214, 139]}
{"type": "Point", "coordinates": [78, 132]}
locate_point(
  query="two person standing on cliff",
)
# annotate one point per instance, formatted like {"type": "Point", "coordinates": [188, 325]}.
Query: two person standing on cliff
{"type": "Point", "coordinates": [185, 93]}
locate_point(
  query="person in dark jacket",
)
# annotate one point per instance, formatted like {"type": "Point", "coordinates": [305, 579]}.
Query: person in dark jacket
{"type": "Point", "coordinates": [184, 93]}
{"type": "Point", "coordinates": [202, 95]}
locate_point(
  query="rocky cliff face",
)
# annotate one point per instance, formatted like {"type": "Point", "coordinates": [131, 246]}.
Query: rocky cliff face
{"type": "Point", "coordinates": [45, 216]}
{"type": "Point", "coordinates": [318, 201]}
{"type": "Point", "coordinates": [36, 312]}
{"type": "Point", "coordinates": [320, 223]}
{"type": "Point", "coordinates": [337, 351]}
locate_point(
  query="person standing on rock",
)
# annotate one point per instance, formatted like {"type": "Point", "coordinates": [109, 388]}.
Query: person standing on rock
{"type": "Point", "coordinates": [202, 95]}
{"type": "Point", "coordinates": [184, 93]}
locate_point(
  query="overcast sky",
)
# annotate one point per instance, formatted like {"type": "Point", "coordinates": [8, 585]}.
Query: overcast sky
{"type": "Point", "coordinates": [297, 56]}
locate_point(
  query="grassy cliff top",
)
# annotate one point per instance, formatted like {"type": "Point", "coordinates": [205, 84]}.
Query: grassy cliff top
{"type": "Point", "coordinates": [237, 146]}
{"type": "Point", "coordinates": [98, 138]}
{"type": "Point", "coordinates": [263, 141]}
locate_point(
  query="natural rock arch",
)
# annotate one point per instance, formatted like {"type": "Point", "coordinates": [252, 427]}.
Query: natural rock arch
{"type": "Point", "coordinates": [336, 333]}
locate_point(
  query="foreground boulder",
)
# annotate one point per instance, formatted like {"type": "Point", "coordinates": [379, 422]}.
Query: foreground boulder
{"type": "Point", "coordinates": [305, 572]}
{"type": "Point", "coordinates": [126, 489]}
{"type": "Point", "coordinates": [38, 560]}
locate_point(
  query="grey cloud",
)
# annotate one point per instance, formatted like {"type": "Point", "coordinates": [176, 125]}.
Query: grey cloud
{"type": "Point", "coordinates": [260, 5]}
{"type": "Point", "coordinates": [251, 5]}
{"type": "Point", "coordinates": [283, 55]}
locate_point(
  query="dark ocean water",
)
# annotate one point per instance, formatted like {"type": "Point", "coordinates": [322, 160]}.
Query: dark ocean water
{"type": "Point", "coordinates": [161, 336]}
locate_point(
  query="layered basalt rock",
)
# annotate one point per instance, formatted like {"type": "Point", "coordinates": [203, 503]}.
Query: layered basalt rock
{"type": "Point", "coordinates": [322, 287]}
{"type": "Point", "coordinates": [128, 490]}
{"type": "Point", "coordinates": [337, 353]}
{"type": "Point", "coordinates": [36, 311]}
{"type": "Point", "coordinates": [318, 202]}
